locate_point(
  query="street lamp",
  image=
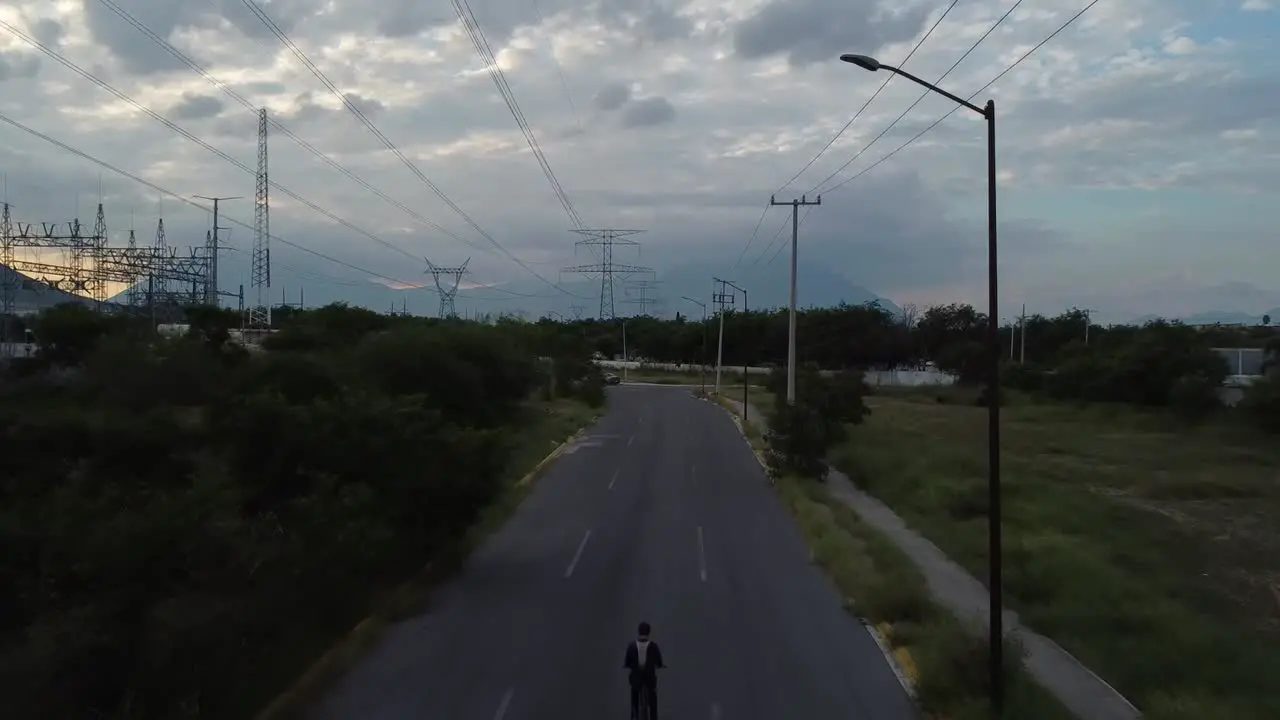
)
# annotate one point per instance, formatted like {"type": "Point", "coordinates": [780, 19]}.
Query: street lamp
{"type": "Point", "coordinates": [703, 360]}
{"type": "Point", "coordinates": [995, 667]}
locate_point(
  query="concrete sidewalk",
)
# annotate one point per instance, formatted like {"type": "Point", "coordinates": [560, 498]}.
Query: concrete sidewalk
{"type": "Point", "coordinates": [1085, 694]}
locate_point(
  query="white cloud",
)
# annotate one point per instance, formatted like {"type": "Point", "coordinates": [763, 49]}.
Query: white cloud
{"type": "Point", "coordinates": [678, 117]}
{"type": "Point", "coordinates": [1255, 5]}
{"type": "Point", "coordinates": [1240, 134]}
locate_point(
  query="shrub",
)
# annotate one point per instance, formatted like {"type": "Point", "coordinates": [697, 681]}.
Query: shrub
{"type": "Point", "coordinates": [1194, 397]}
{"type": "Point", "coordinates": [196, 513]}
{"type": "Point", "coordinates": [590, 388]}
{"type": "Point", "coordinates": [797, 440]}
{"type": "Point", "coordinates": [1261, 403]}
{"type": "Point", "coordinates": [800, 435]}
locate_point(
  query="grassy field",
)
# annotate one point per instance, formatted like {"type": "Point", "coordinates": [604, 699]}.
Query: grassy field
{"type": "Point", "coordinates": [548, 425]}
{"type": "Point", "coordinates": [945, 662]}
{"type": "Point", "coordinates": [1149, 550]}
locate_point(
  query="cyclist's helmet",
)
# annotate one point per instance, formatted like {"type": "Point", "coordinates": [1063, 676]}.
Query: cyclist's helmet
{"type": "Point", "coordinates": [643, 630]}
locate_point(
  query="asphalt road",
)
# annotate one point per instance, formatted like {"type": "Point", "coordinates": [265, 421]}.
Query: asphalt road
{"type": "Point", "coordinates": [660, 513]}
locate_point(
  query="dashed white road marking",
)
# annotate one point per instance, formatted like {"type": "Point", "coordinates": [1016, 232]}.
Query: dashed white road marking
{"type": "Point", "coordinates": [506, 703]}
{"type": "Point", "coordinates": [631, 440]}
{"type": "Point", "coordinates": [702, 556]}
{"type": "Point", "coordinates": [577, 555]}
{"type": "Point", "coordinates": [614, 479]}
{"type": "Point", "coordinates": [715, 711]}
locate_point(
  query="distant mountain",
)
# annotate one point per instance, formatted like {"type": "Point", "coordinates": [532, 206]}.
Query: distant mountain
{"type": "Point", "coordinates": [33, 295]}
{"type": "Point", "coordinates": [816, 286]}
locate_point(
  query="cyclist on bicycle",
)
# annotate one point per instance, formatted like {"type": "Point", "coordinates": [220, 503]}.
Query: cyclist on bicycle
{"type": "Point", "coordinates": [643, 659]}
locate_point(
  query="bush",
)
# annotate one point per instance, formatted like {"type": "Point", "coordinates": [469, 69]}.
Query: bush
{"type": "Point", "coordinates": [195, 513]}
{"type": "Point", "coordinates": [798, 440]}
{"type": "Point", "coordinates": [1261, 403]}
{"type": "Point", "coordinates": [590, 389]}
{"type": "Point", "coordinates": [800, 435]}
{"type": "Point", "coordinates": [1194, 397]}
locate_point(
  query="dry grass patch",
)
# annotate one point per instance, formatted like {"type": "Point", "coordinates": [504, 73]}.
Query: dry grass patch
{"type": "Point", "coordinates": [945, 661]}
{"type": "Point", "coordinates": [1149, 550]}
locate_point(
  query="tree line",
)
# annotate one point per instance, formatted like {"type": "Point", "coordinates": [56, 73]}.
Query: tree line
{"type": "Point", "coordinates": [185, 521]}
{"type": "Point", "coordinates": [1064, 357]}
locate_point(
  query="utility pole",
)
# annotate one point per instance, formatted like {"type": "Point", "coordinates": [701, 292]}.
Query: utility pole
{"type": "Point", "coordinates": [791, 326]}
{"type": "Point", "coordinates": [211, 249]}
{"type": "Point", "coordinates": [746, 377]}
{"type": "Point", "coordinates": [1088, 320]}
{"type": "Point", "coordinates": [720, 299]}
{"type": "Point", "coordinates": [1022, 353]}
{"type": "Point", "coordinates": [625, 358]}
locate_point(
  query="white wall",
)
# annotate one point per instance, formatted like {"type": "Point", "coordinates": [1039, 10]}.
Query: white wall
{"type": "Point", "coordinates": [888, 378]}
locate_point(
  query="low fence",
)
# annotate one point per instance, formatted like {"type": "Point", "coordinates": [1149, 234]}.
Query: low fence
{"type": "Point", "coordinates": [1243, 361]}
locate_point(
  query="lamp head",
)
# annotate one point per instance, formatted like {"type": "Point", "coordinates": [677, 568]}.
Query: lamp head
{"type": "Point", "coordinates": [863, 61]}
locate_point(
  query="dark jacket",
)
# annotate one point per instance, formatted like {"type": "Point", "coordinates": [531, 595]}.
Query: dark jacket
{"type": "Point", "coordinates": [648, 672]}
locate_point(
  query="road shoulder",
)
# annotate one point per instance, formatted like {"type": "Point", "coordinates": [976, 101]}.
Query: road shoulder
{"type": "Point", "coordinates": [934, 647]}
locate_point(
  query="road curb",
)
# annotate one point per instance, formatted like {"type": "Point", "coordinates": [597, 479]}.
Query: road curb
{"type": "Point", "coordinates": [899, 660]}
{"type": "Point", "coordinates": [737, 422]}
{"type": "Point", "coordinates": [285, 706]}
{"type": "Point", "coordinates": [542, 464]}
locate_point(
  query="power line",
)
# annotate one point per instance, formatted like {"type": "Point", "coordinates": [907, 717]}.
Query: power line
{"type": "Point", "coordinates": [188, 201]}
{"type": "Point", "coordinates": [919, 99]}
{"type": "Point", "coordinates": [499, 77]}
{"type": "Point", "coordinates": [559, 70]}
{"type": "Point", "coordinates": [842, 131]}
{"type": "Point", "coordinates": [862, 109]}
{"type": "Point", "coordinates": [782, 245]}
{"type": "Point", "coordinates": [359, 115]}
{"type": "Point", "coordinates": [991, 82]}
{"type": "Point", "coordinates": [776, 235]}
{"type": "Point", "coordinates": [182, 198]}
{"type": "Point", "coordinates": [194, 138]}
{"type": "Point", "coordinates": [221, 154]}
{"type": "Point", "coordinates": [278, 126]}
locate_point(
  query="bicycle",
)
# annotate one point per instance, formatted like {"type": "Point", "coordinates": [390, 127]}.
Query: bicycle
{"type": "Point", "coordinates": [644, 709]}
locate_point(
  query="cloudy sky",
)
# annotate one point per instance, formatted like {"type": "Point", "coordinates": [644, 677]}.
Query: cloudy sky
{"type": "Point", "coordinates": [1136, 148]}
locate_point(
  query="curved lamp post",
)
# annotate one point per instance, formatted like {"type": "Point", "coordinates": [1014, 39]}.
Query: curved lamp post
{"type": "Point", "coordinates": [995, 618]}
{"type": "Point", "coordinates": [703, 359]}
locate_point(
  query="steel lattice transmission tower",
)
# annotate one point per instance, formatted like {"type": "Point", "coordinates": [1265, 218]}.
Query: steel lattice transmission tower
{"type": "Point", "coordinates": [607, 269]}
{"type": "Point", "coordinates": [642, 297]}
{"type": "Point", "coordinates": [96, 250]}
{"type": "Point", "coordinates": [448, 291]}
{"type": "Point", "coordinates": [160, 284]}
{"type": "Point", "coordinates": [260, 264]}
{"type": "Point", "coordinates": [136, 294]}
